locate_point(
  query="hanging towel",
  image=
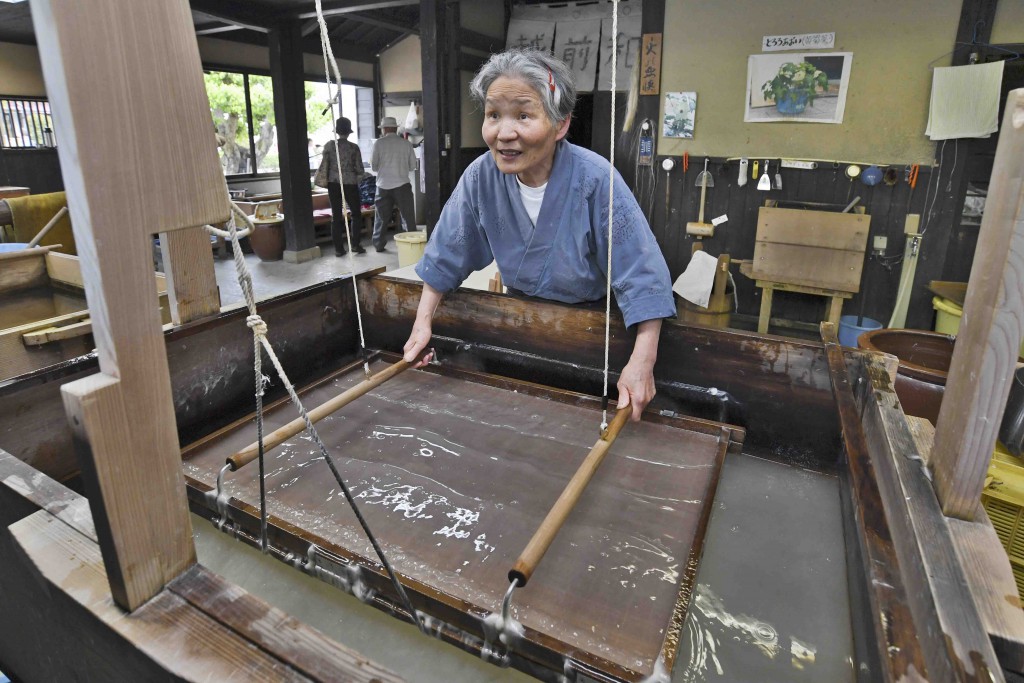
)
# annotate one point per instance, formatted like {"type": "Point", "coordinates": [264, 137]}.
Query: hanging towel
{"type": "Point", "coordinates": [696, 282]}
{"type": "Point", "coordinates": [965, 101]}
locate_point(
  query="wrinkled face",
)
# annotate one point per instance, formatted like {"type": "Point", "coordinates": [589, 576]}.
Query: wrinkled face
{"type": "Point", "coordinates": [518, 131]}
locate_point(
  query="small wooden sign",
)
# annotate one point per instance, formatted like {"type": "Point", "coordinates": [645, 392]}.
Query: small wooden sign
{"type": "Point", "coordinates": [650, 64]}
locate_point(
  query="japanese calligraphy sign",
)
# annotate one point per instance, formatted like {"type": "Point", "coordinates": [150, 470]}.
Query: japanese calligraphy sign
{"type": "Point", "coordinates": [627, 48]}
{"type": "Point", "coordinates": [524, 33]}
{"type": "Point", "coordinates": [804, 41]}
{"type": "Point", "coordinates": [650, 64]}
{"type": "Point", "coordinates": [576, 44]}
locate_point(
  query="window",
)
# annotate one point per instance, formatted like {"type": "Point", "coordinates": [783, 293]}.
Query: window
{"type": "Point", "coordinates": [242, 107]}
{"type": "Point", "coordinates": [25, 123]}
{"type": "Point", "coordinates": [320, 128]}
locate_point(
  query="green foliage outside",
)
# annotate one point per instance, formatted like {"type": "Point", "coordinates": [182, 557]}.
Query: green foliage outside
{"type": "Point", "coordinates": [226, 92]}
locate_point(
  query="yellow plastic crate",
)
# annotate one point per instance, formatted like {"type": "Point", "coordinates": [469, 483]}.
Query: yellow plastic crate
{"type": "Point", "coordinates": [1003, 500]}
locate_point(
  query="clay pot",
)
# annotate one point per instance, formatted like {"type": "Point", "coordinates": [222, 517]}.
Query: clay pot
{"type": "Point", "coordinates": [924, 364]}
{"type": "Point", "coordinates": [267, 240]}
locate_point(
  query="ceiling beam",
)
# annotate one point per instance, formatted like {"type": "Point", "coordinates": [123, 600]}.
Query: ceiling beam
{"type": "Point", "coordinates": [390, 24]}
{"type": "Point", "coordinates": [334, 7]}
{"type": "Point", "coordinates": [231, 12]}
{"type": "Point", "coordinates": [207, 29]}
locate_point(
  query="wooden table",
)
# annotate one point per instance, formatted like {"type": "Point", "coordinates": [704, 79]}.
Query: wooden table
{"type": "Point", "coordinates": [809, 252]}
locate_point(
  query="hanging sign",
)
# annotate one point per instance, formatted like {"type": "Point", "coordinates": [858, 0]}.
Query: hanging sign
{"type": "Point", "coordinates": [650, 64]}
{"type": "Point", "coordinates": [803, 41]}
{"type": "Point", "coordinates": [627, 47]}
{"type": "Point", "coordinates": [525, 33]}
{"type": "Point", "coordinates": [646, 157]}
{"type": "Point", "coordinates": [576, 44]}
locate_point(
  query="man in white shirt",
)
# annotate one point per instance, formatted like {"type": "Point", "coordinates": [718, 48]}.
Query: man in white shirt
{"type": "Point", "coordinates": [392, 160]}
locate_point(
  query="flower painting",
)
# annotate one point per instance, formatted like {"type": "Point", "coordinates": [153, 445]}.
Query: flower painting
{"type": "Point", "coordinates": [808, 88]}
{"type": "Point", "coordinates": [680, 112]}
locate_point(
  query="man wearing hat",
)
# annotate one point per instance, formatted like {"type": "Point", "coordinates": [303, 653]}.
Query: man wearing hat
{"type": "Point", "coordinates": [392, 160]}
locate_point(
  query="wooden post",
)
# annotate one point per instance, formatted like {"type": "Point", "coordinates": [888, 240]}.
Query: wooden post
{"type": "Point", "coordinates": [286, 70]}
{"type": "Point", "coordinates": [138, 157]}
{"type": "Point", "coordinates": [990, 331]}
{"type": "Point", "coordinates": [440, 107]}
{"type": "Point", "coordinates": [191, 280]}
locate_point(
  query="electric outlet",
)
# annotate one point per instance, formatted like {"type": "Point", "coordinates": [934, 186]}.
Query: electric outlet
{"type": "Point", "coordinates": [881, 242]}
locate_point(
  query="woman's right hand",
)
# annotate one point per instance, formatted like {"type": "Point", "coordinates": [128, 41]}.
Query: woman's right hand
{"type": "Point", "coordinates": [418, 340]}
{"type": "Point", "coordinates": [430, 299]}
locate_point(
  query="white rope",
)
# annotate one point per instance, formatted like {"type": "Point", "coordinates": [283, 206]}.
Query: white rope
{"type": "Point", "coordinates": [611, 217]}
{"type": "Point", "coordinates": [328, 53]}
{"type": "Point", "coordinates": [259, 332]}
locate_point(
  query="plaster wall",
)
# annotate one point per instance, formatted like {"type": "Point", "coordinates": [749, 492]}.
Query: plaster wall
{"type": "Point", "coordinates": [20, 71]}
{"type": "Point", "coordinates": [706, 50]}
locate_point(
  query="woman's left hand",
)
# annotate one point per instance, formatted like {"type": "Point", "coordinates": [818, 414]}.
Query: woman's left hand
{"type": "Point", "coordinates": [636, 386]}
{"type": "Point", "coordinates": [636, 383]}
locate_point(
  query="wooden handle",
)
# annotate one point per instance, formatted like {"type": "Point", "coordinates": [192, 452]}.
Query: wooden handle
{"type": "Point", "coordinates": [282, 434]}
{"type": "Point", "coordinates": [46, 228]}
{"type": "Point", "coordinates": [703, 191]}
{"type": "Point", "coordinates": [538, 545]}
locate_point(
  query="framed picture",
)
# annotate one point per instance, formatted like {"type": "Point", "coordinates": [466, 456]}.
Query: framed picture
{"type": "Point", "coordinates": [802, 87]}
{"type": "Point", "coordinates": [680, 112]}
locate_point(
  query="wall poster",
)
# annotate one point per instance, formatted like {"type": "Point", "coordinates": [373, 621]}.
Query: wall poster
{"type": "Point", "coordinates": [680, 112]}
{"type": "Point", "coordinates": [802, 87]}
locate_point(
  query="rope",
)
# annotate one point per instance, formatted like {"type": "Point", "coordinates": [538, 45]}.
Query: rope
{"type": "Point", "coordinates": [259, 332]}
{"type": "Point", "coordinates": [332, 99]}
{"type": "Point", "coordinates": [611, 218]}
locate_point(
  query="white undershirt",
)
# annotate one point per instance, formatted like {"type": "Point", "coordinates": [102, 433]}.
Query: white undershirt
{"type": "Point", "coordinates": [532, 198]}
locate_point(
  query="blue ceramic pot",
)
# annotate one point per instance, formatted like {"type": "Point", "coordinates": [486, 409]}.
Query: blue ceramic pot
{"type": "Point", "coordinates": [792, 102]}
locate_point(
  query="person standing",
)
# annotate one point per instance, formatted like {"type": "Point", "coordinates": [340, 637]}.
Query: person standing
{"type": "Point", "coordinates": [392, 160]}
{"type": "Point", "coordinates": [347, 186]}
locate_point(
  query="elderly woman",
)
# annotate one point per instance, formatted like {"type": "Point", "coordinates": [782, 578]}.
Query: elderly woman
{"type": "Point", "coordinates": [538, 205]}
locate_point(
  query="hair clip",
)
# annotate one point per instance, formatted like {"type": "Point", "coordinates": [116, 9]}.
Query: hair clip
{"type": "Point", "coordinates": [551, 83]}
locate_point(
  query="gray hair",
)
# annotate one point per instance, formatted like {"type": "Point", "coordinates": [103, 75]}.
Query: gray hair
{"type": "Point", "coordinates": [538, 69]}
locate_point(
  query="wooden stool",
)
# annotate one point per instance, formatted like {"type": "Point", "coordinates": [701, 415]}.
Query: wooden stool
{"type": "Point", "coordinates": [834, 308]}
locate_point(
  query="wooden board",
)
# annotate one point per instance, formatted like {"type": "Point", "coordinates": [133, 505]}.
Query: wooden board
{"type": "Point", "coordinates": [22, 270]}
{"type": "Point", "coordinates": [990, 331]}
{"type": "Point", "coordinates": [810, 248]}
{"type": "Point", "coordinates": [455, 476]}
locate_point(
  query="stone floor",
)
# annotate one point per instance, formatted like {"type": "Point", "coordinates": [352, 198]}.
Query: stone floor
{"type": "Point", "coordinates": [271, 278]}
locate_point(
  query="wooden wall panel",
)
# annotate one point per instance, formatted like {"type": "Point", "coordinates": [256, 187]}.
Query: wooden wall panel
{"type": "Point", "coordinates": [887, 206]}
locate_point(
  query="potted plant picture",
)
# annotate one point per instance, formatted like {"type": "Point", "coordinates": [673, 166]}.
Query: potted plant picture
{"type": "Point", "coordinates": [794, 87]}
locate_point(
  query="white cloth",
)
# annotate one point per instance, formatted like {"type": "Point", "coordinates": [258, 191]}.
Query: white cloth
{"type": "Point", "coordinates": [532, 198]}
{"type": "Point", "coordinates": [698, 279]}
{"type": "Point", "coordinates": [965, 101]}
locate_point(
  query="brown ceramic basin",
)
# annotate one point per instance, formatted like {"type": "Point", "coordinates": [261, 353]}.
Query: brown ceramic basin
{"type": "Point", "coordinates": [924, 363]}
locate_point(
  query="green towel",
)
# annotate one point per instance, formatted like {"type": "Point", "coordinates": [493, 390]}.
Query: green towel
{"type": "Point", "coordinates": [31, 213]}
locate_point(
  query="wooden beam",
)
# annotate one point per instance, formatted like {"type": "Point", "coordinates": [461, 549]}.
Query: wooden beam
{"type": "Point", "coordinates": [986, 351]}
{"type": "Point", "coordinates": [192, 290]}
{"type": "Point", "coordinates": [225, 28]}
{"type": "Point", "coordinates": [390, 24]}
{"type": "Point", "coordinates": [442, 138]}
{"type": "Point", "coordinates": [334, 7]}
{"type": "Point", "coordinates": [986, 567]}
{"type": "Point", "coordinates": [475, 40]}
{"type": "Point", "coordinates": [233, 12]}
{"type": "Point", "coordinates": [132, 166]}
{"type": "Point", "coordinates": [287, 71]}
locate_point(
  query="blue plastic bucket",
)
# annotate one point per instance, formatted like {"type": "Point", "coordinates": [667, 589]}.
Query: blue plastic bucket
{"type": "Point", "coordinates": [6, 247]}
{"type": "Point", "coordinates": [849, 330]}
